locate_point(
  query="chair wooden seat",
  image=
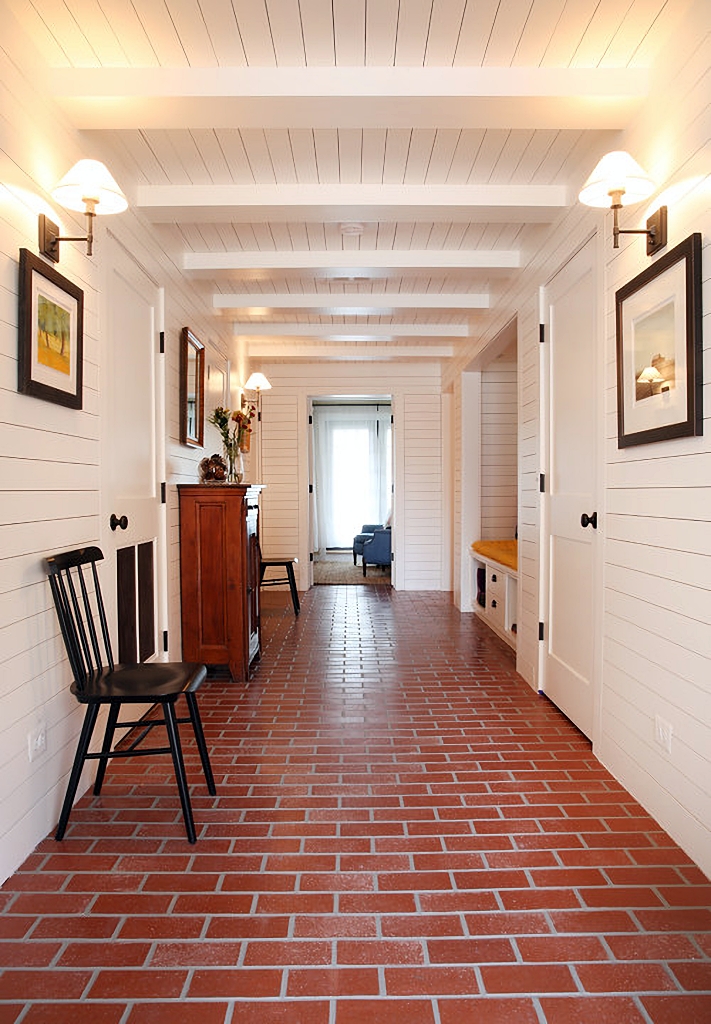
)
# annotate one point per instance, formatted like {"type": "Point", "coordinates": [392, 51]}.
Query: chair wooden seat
{"type": "Point", "coordinates": [287, 565]}
{"type": "Point", "coordinates": [98, 681]}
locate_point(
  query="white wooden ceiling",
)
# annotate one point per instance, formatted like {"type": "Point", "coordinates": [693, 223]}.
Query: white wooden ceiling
{"type": "Point", "coordinates": [249, 131]}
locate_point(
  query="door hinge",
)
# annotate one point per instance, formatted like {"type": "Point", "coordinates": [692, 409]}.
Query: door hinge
{"type": "Point", "coordinates": [162, 492]}
{"type": "Point", "coordinates": [311, 556]}
{"type": "Point", "coordinates": [161, 342]}
{"type": "Point", "coordinates": [311, 488]}
{"type": "Point", "coordinates": [311, 420]}
{"type": "Point", "coordinates": [540, 631]}
{"type": "Point", "coordinates": [165, 640]}
{"type": "Point", "coordinates": [542, 483]}
{"type": "Point", "coordinates": [392, 419]}
{"type": "Point", "coordinates": [541, 333]}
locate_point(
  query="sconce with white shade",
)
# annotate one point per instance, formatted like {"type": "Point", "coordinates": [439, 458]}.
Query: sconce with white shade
{"type": "Point", "coordinates": [617, 181]}
{"type": "Point", "coordinates": [88, 188]}
{"type": "Point", "coordinates": [257, 382]}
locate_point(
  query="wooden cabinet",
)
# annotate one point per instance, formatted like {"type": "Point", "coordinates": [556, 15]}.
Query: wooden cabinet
{"type": "Point", "coordinates": [499, 595]}
{"type": "Point", "coordinates": [219, 574]}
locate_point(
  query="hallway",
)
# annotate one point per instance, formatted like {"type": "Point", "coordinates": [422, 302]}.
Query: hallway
{"type": "Point", "coordinates": [404, 833]}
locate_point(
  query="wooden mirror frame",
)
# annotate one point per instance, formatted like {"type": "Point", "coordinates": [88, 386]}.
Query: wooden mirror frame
{"type": "Point", "coordinates": [192, 427]}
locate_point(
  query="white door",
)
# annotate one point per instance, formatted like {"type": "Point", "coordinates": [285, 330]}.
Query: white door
{"type": "Point", "coordinates": [313, 523]}
{"type": "Point", "coordinates": [133, 527]}
{"type": "Point", "coordinates": [570, 527]}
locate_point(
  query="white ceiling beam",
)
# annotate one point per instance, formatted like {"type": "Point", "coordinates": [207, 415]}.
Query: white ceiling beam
{"type": "Point", "coordinates": [247, 204]}
{"type": "Point", "coordinates": [351, 263]}
{"type": "Point", "coordinates": [329, 304]}
{"type": "Point", "coordinates": [349, 97]}
{"type": "Point", "coordinates": [279, 349]}
{"type": "Point", "coordinates": [350, 332]}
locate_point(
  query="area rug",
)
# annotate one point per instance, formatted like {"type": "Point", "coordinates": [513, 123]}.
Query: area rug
{"type": "Point", "coordinates": [337, 569]}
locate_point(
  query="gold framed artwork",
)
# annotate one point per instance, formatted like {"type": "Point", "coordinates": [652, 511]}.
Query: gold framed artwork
{"type": "Point", "coordinates": [51, 334]}
{"type": "Point", "coordinates": [659, 349]}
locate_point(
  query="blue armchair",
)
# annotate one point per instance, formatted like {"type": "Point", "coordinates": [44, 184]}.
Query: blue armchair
{"type": "Point", "coordinates": [378, 550]}
{"type": "Point", "coordinates": [366, 533]}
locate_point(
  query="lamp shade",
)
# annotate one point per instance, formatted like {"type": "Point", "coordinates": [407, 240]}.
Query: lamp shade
{"type": "Point", "coordinates": [257, 382]}
{"type": "Point", "coordinates": [617, 173]}
{"type": "Point", "coordinates": [650, 375]}
{"type": "Point", "coordinates": [90, 181]}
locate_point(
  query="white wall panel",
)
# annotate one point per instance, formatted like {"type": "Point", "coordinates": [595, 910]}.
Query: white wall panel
{"type": "Point", "coordinates": [499, 444]}
{"type": "Point", "coordinates": [656, 519]}
{"type": "Point", "coordinates": [50, 481]}
{"type": "Point", "coordinates": [658, 523]}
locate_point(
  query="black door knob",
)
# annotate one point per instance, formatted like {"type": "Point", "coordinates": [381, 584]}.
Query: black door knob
{"type": "Point", "coordinates": [586, 520]}
{"type": "Point", "coordinates": [115, 522]}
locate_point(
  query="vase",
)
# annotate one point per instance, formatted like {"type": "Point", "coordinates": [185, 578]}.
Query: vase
{"type": "Point", "coordinates": [235, 465]}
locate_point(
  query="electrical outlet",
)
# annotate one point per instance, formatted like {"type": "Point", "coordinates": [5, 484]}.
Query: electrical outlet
{"type": "Point", "coordinates": [37, 741]}
{"type": "Point", "coordinates": [663, 733]}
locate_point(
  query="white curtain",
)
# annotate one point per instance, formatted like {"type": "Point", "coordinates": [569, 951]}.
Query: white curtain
{"type": "Point", "coordinates": [353, 471]}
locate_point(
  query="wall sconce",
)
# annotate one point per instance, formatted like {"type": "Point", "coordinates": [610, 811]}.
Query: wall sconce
{"type": "Point", "coordinates": [88, 188]}
{"type": "Point", "coordinates": [619, 181]}
{"type": "Point", "coordinates": [257, 382]}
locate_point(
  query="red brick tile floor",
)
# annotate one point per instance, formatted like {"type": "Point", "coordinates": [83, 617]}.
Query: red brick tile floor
{"type": "Point", "coordinates": [403, 832]}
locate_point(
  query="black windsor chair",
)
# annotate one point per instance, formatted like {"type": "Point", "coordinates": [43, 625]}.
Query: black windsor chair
{"type": "Point", "coordinates": [98, 681]}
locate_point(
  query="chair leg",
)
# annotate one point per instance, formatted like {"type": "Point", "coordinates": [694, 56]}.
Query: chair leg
{"type": "Point", "coordinates": [355, 557]}
{"type": "Point", "coordinates": [200, 740]}
{"type": "Point", "coordinates": [106, 745]}
{"type": "Point", "coordinates": [87, 729]}
{"type": "Point", "coordinates": [292, 588]}
{"type": "Point", "coordinates": [364, 573]}
{"type": "Point", "coordinates": [179, 766]}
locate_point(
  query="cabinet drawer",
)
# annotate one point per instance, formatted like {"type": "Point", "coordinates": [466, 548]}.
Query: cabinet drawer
{"type": "Point", "coordinates": [496, 608]}
{"type": "Point", "coordinates": [495, 583]}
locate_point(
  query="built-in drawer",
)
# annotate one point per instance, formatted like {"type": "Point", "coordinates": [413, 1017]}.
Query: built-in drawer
{"type": "Point", "coordinates": [496, 607]}
{"type": "Point", "coordinates": [495, 584]}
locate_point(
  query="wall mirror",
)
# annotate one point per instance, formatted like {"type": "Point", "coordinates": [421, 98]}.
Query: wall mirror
{"type": "Point", "coordinates": [192, 389]}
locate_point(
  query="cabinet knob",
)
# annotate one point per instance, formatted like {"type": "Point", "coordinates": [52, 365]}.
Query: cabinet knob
{"type": "Point", "coordinates": [493, 604]}
{"type": "Point", "coordinates": [493, 577]}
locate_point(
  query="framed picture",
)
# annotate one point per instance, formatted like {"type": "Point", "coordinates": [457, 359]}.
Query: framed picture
{"type": "Point", "coordinates": [659, 349]}
{"type": "Point", "coordinates": [51, 334]}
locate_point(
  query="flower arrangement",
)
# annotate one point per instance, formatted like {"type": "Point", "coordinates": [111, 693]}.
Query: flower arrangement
{"type": "Point", "coordinates": [235, 428]}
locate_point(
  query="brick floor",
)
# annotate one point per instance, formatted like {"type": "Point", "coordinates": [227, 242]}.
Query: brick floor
{"type": "Point", "coordinates": [403, 832]}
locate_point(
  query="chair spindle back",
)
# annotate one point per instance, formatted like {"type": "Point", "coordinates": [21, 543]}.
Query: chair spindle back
{"type": "Point", "coordinates": [77, 612]}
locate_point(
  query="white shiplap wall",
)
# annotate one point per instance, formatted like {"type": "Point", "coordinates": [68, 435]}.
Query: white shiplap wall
{"type": "Point", "coordinates": [418, 509]}
{"type": "Point", "coordinates": [50, 457]}
{"type": "Point", "coordinates": [657, 624]}
{"type": "Point", "coordinates": [422, 500]}
{"type": "Point", "coordinates": [656, 522]}
{"type": "Point", "coordinates": [499, 443]}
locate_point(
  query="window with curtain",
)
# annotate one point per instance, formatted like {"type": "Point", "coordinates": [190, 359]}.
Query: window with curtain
{"type": "Point", "coordinates": [353, 471]}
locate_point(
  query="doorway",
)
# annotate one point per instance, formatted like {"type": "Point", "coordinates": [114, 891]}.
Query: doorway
{"type": "Point", "coordinates": [352, 483]}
